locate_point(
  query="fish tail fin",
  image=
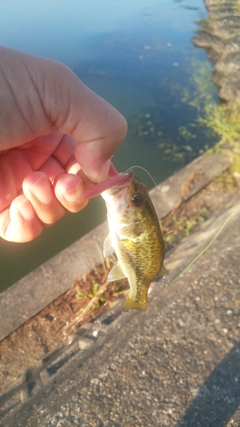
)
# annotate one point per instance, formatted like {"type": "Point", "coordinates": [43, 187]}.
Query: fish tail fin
{"type": "Point", "coordinates": [130, 304]}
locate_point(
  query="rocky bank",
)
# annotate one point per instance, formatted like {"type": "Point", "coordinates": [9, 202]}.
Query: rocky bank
{"type": "Point", "coordinates": [220, 35]}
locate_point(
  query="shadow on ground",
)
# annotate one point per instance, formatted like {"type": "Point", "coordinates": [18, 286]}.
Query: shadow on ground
{"type": "Point", "coordinates": [219, 397]}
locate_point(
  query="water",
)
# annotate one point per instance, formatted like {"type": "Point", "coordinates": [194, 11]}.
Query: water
{"type": "Point", "coordinates": [136, 54]}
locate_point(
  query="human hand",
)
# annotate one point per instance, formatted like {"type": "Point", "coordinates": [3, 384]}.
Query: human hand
{"type": "Point", "coordinates": [56, 138]}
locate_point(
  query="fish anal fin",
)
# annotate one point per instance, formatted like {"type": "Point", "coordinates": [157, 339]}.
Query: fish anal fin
{"type": "Point", "coordinates": [162, 272]}
{"type": "Point", "coordinates": [108, 248]}
{"type": "Point", "coordinates": [116, 273]}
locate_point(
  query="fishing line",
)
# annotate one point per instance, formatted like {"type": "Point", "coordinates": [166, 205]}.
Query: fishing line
{"type": "Point", "coordinates": [140, 167]}
{"type": "Point", "coordinates": [169, 232]}
{"type": "Point", "coordinates": [204, 250]}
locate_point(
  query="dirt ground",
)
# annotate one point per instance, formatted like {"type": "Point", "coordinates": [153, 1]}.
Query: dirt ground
{"type": "Point", "coordinates": [88, 298]}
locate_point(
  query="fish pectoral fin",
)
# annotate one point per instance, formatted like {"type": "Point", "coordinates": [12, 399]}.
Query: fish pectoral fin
{"type": "Point", "coordinates": [162, 272]}
{"type": "Point", "coordinates": [108, 248]}
{"type": "Point", "coordinates": [116, 273]}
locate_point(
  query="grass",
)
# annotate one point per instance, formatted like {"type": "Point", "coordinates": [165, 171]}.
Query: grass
{"type": "Point", "coordinates": [220, 119]}
{"type": "Point", "coordinates": [207, 125]}
{"type": "Point", "coordinates": [223, 120]}
{"type": "Point", "coordinates": [182, 226]}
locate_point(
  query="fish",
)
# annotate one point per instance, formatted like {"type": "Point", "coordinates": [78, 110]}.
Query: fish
{"type": "Point", "coordinates": [135, 237]}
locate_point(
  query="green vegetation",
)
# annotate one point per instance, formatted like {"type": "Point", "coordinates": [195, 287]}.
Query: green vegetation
{"type": "Point", "coordinates": [224, 120]}
{"type": "Point", "coordinates": [183, 226]}
{"type": "Point", "coordinates": [174, 128]}
{"type": "Point", "coordinates": [149, 127]}
{"type": "Point", "coordinates": [224, 3]}
{"type": "Point", "coordinates": [187, 135]}
{"type": "Point", "coordinates": [201, 85]}
{"type": "Point", "coordinates": [205, 249]}
{"type": "Point", "coordinates": [220, 118]}
{"type": "Point", "coordinates": [92, 294]}
{"type": "Point", "coordinates": [203, 123]}
{"type": "Point", "coordinates": [221, 4]}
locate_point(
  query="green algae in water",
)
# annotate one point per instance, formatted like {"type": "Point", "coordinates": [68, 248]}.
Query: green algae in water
{"type": "Point", "coordinates": [175, 126]}
{"type": "Point", "coordinates": [208, 122]}
{"type": "Point", "coordinates": [219, 117]}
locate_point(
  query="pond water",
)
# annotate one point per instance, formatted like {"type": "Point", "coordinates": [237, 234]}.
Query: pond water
{"type": "Point", "coordinates": [136, 54]}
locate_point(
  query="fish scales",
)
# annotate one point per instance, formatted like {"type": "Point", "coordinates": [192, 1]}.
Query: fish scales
{"type": "Point", "coordinates": [135, 236]}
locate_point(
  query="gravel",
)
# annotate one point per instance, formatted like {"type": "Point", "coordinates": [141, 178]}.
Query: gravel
{"type": "Point", "coordinates": [177, 364]}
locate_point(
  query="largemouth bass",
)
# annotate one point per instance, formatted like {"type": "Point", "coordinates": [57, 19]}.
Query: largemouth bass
{"type": "Point", "coordinates": [136, 238]}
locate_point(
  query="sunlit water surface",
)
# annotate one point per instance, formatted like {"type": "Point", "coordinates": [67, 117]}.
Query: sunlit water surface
{"type": "Point", "coordinates": [136, 54]}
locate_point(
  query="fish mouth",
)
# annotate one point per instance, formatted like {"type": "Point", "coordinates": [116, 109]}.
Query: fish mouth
{"type": "Point", "coordinates": [112, 185]}
{"type": "Point", "coordinates": [124, 184]}
{"type": "Point", "coordinates": [114, 181]}
{"type": "Point", "coordinates": [130, 174]}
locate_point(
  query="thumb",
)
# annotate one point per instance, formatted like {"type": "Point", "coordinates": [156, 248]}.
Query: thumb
{"type": "Point", "coordinates": [97, 126]}
{"type": "Point", "coordinates": [38, 94]}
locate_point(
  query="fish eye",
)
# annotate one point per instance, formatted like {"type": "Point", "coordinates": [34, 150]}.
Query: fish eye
{"type": "Point", "coordinates": [136, 199]}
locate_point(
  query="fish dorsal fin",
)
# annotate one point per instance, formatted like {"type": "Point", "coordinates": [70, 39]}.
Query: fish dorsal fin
{"type": "Point", "coordinates": [108, 248]}
{"type": "Point", "coordinates": [116, 273]}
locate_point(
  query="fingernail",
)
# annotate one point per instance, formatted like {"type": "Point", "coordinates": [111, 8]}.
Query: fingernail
{"type": "Point", "coordinates": [103, 172]}
{"type": "Point", "coordinates": [74, 194]}
{"type": "Point", "coordinates": [24, 210]}
{"type": "Point", "coordinates": [42, 190]}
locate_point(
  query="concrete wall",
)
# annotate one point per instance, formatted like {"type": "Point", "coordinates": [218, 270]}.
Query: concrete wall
{"type": "Point", "coordinates": [38, 289]}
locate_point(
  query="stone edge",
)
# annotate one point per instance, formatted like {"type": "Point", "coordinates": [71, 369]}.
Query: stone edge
{"type": "Point", "coordinates": [38, 289]}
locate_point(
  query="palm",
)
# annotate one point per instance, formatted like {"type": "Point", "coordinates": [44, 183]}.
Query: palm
{"type": "Point", "coordinates": [40, 179]}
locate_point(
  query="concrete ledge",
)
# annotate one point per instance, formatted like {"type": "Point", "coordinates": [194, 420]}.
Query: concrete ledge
{"type": "Point", "coordinates": [39, 288]}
